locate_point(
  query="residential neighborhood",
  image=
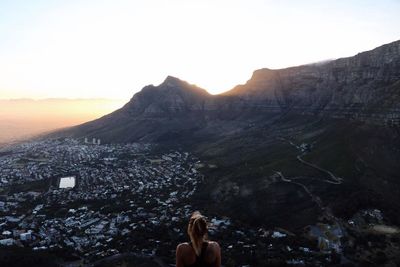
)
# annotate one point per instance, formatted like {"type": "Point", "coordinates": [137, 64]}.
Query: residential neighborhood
{"type": "Point", "coordinates": [146, 190]}
{"type": "Point", "coordinates": [86, 201]}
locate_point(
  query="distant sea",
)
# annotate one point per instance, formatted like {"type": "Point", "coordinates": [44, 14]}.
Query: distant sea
{"type": "Point", "coordinates": [12, 131]}
{"type": "Point", "coordinates": [25, 118]}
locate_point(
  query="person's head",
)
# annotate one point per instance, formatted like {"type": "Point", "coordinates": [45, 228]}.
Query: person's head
{"type": "Point", "coordinates": [197, 230]}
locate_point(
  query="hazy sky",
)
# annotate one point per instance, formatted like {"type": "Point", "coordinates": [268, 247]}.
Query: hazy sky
{"type": "Point", "coordinates": [96, 48]}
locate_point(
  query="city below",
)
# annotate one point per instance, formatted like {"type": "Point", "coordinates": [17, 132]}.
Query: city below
{"type": "Point", "coordinates": [86, 203]}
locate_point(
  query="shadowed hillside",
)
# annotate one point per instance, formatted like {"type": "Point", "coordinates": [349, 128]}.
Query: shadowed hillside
{"type": "Point", "coordinates": [292, 148]}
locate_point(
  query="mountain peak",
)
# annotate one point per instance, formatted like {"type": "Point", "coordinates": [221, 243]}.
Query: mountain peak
{"type": "Point", "coordinates": [173, 81]}
{"type": "Point", "coordinates": [363, 87]}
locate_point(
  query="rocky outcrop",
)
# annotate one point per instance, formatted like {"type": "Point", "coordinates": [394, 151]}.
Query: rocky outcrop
{"type": "Point", "coordinates": [358, 87]}
{"type": "Point", "coordinates": [365, 87]}
{"type": "Point", "coordinates": [172, 96]}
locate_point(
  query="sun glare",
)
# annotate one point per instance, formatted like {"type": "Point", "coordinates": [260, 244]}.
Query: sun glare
{"type": "Point", "coordinates": [112, 49]}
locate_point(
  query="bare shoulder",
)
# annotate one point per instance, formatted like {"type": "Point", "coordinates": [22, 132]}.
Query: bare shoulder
{"type": "Point", "coordinates": [214, 246]}
{"type": "Point", "coordinates": [183, 247]}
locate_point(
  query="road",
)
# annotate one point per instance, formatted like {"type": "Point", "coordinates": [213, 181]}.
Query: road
{"type": "Point", "coordinates": [316, 199]}
{"type": "Point", "coordinates": [333, 179]}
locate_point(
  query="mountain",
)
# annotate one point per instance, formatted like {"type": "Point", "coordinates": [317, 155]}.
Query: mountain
{"type": "Point", "coordinates": [291, 147]}
{"type": "Point", "coordinates": [365, 87]}
{"type": "Point", "coordinates": [153, 114]}
{"type": "Point", "coordinates": [358, 86]}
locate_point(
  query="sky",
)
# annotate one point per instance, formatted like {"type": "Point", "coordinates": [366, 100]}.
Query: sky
{"type": "Point", "coordinates": [111, 49]}
{"type": "Point", "coordinates": [24, 118]}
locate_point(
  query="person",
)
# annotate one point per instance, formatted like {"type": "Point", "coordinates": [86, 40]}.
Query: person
{"type": "Point", "coordinates": [199, 252]}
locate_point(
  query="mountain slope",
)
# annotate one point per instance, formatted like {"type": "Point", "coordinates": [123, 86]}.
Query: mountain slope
{"type": "Point", "coordinates": [341, 118]}
{"type": "Point", "coordinates": [156, 112]}
{"type": "Point", "coordinates": [364, 87]}
{"type": "Point", "coordinates": [348, 87]}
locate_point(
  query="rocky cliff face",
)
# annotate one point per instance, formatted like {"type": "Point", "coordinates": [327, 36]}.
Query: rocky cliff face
{"type": "Point", "coordinates": [365, 87]}
{"type": "Point", "coordinates": [168, 111]}
{"type": "Point", "coordinates": [254, 135]}
{"type": "Point", "coordinates": [358, 86]}
{"type": "Point", "coordinates": [172, 96]}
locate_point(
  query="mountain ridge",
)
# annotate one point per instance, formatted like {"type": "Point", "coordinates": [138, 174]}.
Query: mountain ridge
{"type": "Point", "coordinates": [343, 82]}
{"type": "Point", "coordinates": [363, 87]}
{"type": "Point", "coordinates": [263, 144]}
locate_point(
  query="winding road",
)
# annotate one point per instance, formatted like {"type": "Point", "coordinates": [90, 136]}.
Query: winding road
{"type": "Point", "coordinates": [333, 179]}
{"type": "Point", "coordinates": [313, 197]}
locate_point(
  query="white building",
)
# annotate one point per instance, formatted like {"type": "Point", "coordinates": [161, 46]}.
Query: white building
{"type": "Point", "coordinates": [7, 242]}
{"type": "Point", "coordinates": [25, 236]}
{"type": "Point", "coordinates": [7, 233]}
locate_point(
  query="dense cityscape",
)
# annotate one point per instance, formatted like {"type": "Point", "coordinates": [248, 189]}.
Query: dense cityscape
{"type": "Point", "coordinates": [125, 190]}
{"type": "Point", "coordinates": [93, 202]}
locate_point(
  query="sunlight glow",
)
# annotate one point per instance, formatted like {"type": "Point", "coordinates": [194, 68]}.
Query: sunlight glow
{"type": "Point", "coordinates": [85, 49]}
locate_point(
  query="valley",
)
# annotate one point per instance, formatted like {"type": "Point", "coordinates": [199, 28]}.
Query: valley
{"type": "Point", "coordinates": [153, 194]}
{"type": "Point", "coordinates": [298, 166]}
